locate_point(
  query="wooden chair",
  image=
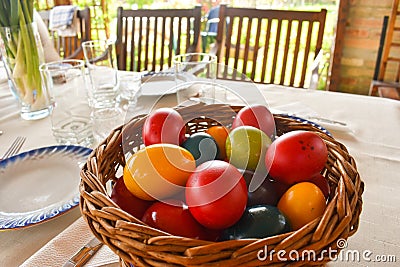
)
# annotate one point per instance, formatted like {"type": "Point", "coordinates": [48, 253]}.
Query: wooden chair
{"type": "Point", "coordinates": [147, 39]}
{"type": "Point", "coordinates": [386, 82]}
{"type": "Point", "coordinates": [270, 46]}
{"type": "Point", "coordinates": [70, 47]}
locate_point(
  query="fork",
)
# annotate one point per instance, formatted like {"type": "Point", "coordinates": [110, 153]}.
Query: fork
{"type": "Point", "coordinates": [15, 147]}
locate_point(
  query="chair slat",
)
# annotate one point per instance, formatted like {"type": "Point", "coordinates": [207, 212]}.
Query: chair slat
{"type": "Point", "coordinates": [306, 53]}
{"type": "Point", "coordinates": [155, 54]}
{"type": "Point", "coordinates": [178, 41]}
{"type": "Point", "coordinates": [188, 26]}
{"type": "Point", "coordinates": [133, 44]}
{"type": "Point", "coordinates": [266, 50]}
{"type": "Point", "coordinates": [163, 31]}
{"type": "Point", "coordinates": [237, 44]}
{"type": "Point", "coordinates": [147, 41]}
{"type": "Point", "coordinates": [140, 50]}
{"type": "Point", "coordinates": [276, 51]}
{"type": "Point", "coordinates": [247, 45]}
{"type": "Point", "coordinates": [256, 48]}
{"type": "Point", "coordinates": [296, 51]}
{"type": "Point", "coordinates": [286, 52]}
{"type": "Point", "coordinates": [228, 46]}
{"type": "Point", "coordinates": [171, 43]}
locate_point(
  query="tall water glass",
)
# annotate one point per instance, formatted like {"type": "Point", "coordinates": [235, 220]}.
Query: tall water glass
{"type": "Point", "coordinates": [102, 64]}
{"type": "Point", "coordinates": [130, 85]}
{"type": "Point", "coordinates": [104, 121]}
{"type": "Point", "coordinates": [195, 75]}
{"type": "Point", "coordinates": [70, 119]}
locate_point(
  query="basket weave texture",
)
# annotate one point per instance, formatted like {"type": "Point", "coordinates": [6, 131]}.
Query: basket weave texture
{"type": "Point", "coordinates": [140, 245]}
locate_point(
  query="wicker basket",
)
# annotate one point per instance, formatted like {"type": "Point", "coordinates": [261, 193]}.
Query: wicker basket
{"type": "Point", "coordinates": [140, 245]}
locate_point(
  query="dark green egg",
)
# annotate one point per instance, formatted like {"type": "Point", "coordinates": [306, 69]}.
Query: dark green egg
{"type": "Point", "coordinates": [258, 221]}
{"type": "Point", "coordinates": [202, 146]}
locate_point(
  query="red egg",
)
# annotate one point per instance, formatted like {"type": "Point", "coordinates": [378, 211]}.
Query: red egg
{"type": "Point", "coordinates": [257, 116]}
{"type": "Point", "coordinates": [322, 183]}
{"type": "Point", "coordinates": [127, 201]}
{"type": "Point", "coordinates": [164, 125]}
{"type": "Point", "coordinates": [174, 217]}
{"type": "Point", "coordinates": [296, 157]}
{"type": "Point", "coordinates": [216, 194]}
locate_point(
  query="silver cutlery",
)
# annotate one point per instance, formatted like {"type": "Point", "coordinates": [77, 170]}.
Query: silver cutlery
{"type": "Point", "coordinates": [309, 117]}
{"type": "Point", "coordinates": [15, 147]}
{"type": "Point", "coordinates": [327, 120]}
{"type": "Point", "coordinates": [84, 254]}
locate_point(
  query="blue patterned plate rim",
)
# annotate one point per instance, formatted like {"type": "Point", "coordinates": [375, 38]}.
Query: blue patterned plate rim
{"type": "Point", "coordinates": [64, 156]}
{"type": "Point", "coordinates": [299, 119]}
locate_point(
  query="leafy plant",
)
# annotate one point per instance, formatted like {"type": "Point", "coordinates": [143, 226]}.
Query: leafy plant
{"type": "Point", "coordinates": [20, 48]}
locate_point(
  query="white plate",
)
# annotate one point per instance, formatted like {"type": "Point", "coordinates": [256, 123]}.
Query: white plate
{"type": "Point", "coordinates": [157, 84]}
{"type": "Point", "coordinates": [40, 184]}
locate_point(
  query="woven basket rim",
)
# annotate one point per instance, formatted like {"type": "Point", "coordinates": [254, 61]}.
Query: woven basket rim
{"type": "Point", "coordinates": [141, 245]}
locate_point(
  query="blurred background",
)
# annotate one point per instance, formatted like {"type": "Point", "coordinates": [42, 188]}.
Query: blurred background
{"type": "Point", "coordinates": [351, 39]}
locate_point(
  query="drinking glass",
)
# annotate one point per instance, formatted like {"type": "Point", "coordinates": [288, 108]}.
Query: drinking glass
{"type": "Point", "coordinates": [130, 85]}
{"type": "Point", "coordinates": [195, 75]}
{"type": "Point", "coordinates": [102, 64]}
{"type": "Point", "coordinates": [70, 118]}
{"type": "Point", "coordinates": [105, 120]}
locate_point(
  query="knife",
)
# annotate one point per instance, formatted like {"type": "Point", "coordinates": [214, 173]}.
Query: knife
{"type": "Point", "coordinates": [324, 120]}
{"type": "Point", "coordinates": [327, 120]}
{"type": "Point", "coordinates": [84, 254]}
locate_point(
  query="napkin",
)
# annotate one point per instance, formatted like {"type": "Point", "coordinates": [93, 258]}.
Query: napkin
{"type": "Point", "coordinates": [63, 20]}
{"type": "Point", "coordinates": [66, 244]}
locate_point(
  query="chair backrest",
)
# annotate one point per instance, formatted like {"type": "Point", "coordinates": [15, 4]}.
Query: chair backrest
{"type": "Point", "coordinates": [147, 39]}
{"type": "Point", "coordinates": [269, 46]}
{"type": "Point", "coordinates": [70, 47]}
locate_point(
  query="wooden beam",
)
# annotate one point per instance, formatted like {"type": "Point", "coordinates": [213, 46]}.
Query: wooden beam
{"type": "Point", "coordinates": [334, 76]}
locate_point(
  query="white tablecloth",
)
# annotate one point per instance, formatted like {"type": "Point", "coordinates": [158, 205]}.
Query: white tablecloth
{"type": "Point", "coordinates": [372, 137]}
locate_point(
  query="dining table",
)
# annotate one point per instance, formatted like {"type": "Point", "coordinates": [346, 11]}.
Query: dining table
{"type": "Point", "coordinates": [368, 126]}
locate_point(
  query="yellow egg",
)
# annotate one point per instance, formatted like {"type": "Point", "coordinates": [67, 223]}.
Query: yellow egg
{"type": "Point", "coordinates": [158, 171]}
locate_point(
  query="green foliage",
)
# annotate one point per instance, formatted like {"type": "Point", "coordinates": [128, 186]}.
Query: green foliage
{"type": "Point", "coordinates": [20, 48]}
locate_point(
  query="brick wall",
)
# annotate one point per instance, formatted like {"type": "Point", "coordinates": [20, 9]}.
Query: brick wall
{"type": "Point", "coordinates": [361, 43]}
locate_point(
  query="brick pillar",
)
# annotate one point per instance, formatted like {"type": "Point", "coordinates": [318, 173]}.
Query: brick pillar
{"type": "Point", "coordinates": [360, 44]}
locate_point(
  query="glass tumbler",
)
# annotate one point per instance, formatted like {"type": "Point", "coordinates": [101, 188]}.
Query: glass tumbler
{"type": "Point", "coordinates": [70, 118]}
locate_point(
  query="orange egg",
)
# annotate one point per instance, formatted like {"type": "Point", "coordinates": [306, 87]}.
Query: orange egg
{"type": "Point", "coordinates": [219, 133]}
{"type": "Point", "coordinates": [302, 203]}
{"type": "Point", "coordinates": [158, 171]}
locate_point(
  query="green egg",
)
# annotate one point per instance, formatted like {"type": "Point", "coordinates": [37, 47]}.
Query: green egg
{"type": "Point", "coordinates": [202, 146]}
{"type": "Point", "coordinates": [258, 221]}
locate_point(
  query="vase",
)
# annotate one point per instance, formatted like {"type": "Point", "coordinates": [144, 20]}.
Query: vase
{"type": "Point", "coordinates": [22, 54]}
